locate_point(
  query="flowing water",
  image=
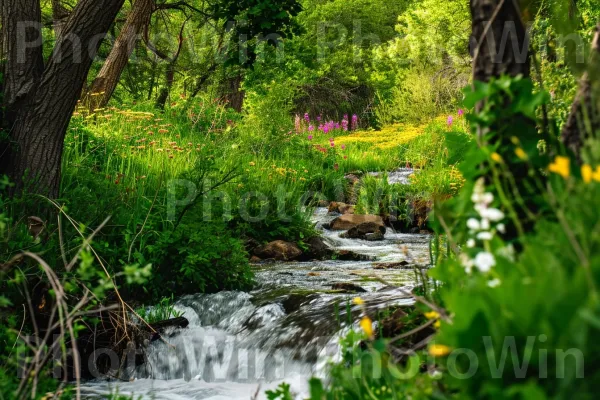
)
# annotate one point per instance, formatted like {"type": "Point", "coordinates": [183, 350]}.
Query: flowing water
{"type": "Point", "coordinates": [240, 344]}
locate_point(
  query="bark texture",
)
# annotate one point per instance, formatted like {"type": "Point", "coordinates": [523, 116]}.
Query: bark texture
{"type": "Point", "coordinates": [107, 79]}
{"type": "Point", "coordinates": [59, 17]}
{"type": "Point", "coordinates": [500, 43]}
{"type": "Point", "coordinates": [40, 99]}
{"type": "Point", "coordinates": [584, 118]}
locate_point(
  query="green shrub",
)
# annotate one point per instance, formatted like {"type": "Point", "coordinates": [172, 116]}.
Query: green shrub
{"type": "Point", "coordinates": [195, 258]}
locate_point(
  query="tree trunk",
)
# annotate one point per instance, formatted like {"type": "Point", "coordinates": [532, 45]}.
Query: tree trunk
{"type": "Point", "coordinates": [163, 95]}
{"type": "Point", "coordinates": [584, 118]}
{"type": "Point", "coordinates": [500, 39]}
{"type": "Point", "coordinates": [107, 79]}
{"type": "Point", "coordinates": [59, 17]}
{"type": "Point", "coordinates": [40, 100]}
{"type": "Point", "coordinates": [232, 93]}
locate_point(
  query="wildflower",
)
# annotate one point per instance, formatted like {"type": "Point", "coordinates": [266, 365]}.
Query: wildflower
{"type": "Point", "coordinates": [586, 173]}
{"type": "Point", "coordinates": [461, 112]}
{"type": "Point", "coordinates": [311, 128]}
{"type": "Point", "coordinates": [432, 315]}
{"type": "Point", "coordinates": [450, 120]}
{"type": "Point", "coordinates": [437, 324]}
{"type": "Point", "coordinates": [494, 283]}
{"type": "Point", "coordinates": [492, 214]}
{"type": "Point", "coordinates": [345, 124]}
{"type": "Point", "coordinates": [439, 350]}
{"type": "Point", "coordinates": [466, 262]}
{"type": "Point", "coordinates": [307, 117]}
{"type": "Point", "coordinates": [358, 301]}
{"type": "Point", "coordinates": [596, 175]}
{"type": "Point", "coordinates": [343, 147]}
{"type": "Point", "coordinates": [561, 166]}
{"type": "Point", "coordinates": [367, 325]}
{"type": "Point", "coordinates": [473, 224]}
{"type": "Point", "coordinates": [484, 236]}
{"type": "Point", "coordinates": [336, 167]}
{"type": "Point", "coordinates": [354, 122]}
{"type": "Point", "coordinates": [471, 243]}
{"type": "Point", "coordinates": [497, 158]}
{"type": "Point", "coordinates": [501, 228]}
{"type": "Point", "coordinates": [515, 140]}
{"type": "Point", "coordinates": [521, 153]}
{"type": "Point", "coordinates": [252, 163]}
{"type": "Point", "coordinates": [163, 131]}
{"type": "Point", "coordinates": [310, 137]}
{"type": "Point", "coordinates": [345, 157]}
{"type": "Point", "coordinates": [484, 261]}
{"type": "Point", "coordinates": [332, 144]}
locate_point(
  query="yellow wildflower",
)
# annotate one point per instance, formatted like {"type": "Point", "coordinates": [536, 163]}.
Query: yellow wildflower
{"type": "Point", "coordinates": [432, 315]}
{"type": "Point", "coordinates": [252, 163]}
{"type": "Point", "coordinates": [586, 173]}
{"type": "Point", "coordinates": [596, 175]}
{"type": "Point", "coordinates": [358, 301]}
{"type": "Point", "coordinates": [367, 325]}
{"type": "Point", "coordinates": [497, 158]}
{"type": "Point", "coordinates": [561, 166]}
{"type": "Point", "coordinates": [515, 140]}
{"type": "Point", "coordinates": [521, 153]}
{"type": "Point", "coordinates": [439, 350]}
{"type": "Point", "coordinates": [437, 324]}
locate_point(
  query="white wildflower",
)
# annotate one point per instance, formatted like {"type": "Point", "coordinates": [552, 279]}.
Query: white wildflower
{"type": "Point", "coordinates": [477, 198]}
{"type": "Point", "coordinates": [507, 252]}
{"type": "Point", "coordinates": [493, 214]}
{"type": "Point", "coordinates": [466, 262]}
{"type": "Point", "coordinates": [494, 283]}
{"type": "Point", "coordinates": [501, 228]}
{"type": "Point", "coordinates": [487, 198]}
{"type": "Point", "coordinates": [484, 236]}
{"type": "Point", "coordinates": [485, 224]}
{"type": "Point", "coordinates": [473, 224]}
{"type": "Point", "coordinates": [471, 243]}
{"type": "Point", "coordinates": [484, 261]}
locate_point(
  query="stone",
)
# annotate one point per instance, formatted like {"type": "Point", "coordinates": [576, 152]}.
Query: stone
{"type": "Point", "coordinates": [361, 231]}
{"type": "Point", "coordinates": [374, 237]}
{"type": "Point", "coordinates": [352, 179]}
{"type": "Point", "coordinates": [349, 221]}
{"type": "Point", "coordinates": [391, 265]}
{"type": "Point", "coordinates": [317, 249]}
{"type": "Point", "coordinates": [347, 255]}
{"type": "Point", "coordinates": [323, 203]}
{"type": "Point", "coordinates": [342, 208]}
{"type": "Point", "coordinates": [279, 250]}
{"type": "Point", "coordinates": [347, 287]}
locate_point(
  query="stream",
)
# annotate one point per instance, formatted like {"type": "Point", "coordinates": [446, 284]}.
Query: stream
{"type": "Point", "coordinates": [239, 344]}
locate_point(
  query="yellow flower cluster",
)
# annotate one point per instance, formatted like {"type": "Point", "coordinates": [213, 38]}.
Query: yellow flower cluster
{"type": "Point", "coordinates": [562, 166]}
{"type": "Point", "coordinates": [589, 175]}
{"type": "Point", "coordinates": [439, 350]}
{"type": "Point", "coordinates": [434, 315]}
{"type": "Point", "coordinates": [387, 138]}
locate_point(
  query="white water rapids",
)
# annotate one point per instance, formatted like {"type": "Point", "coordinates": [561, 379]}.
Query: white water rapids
{"type": "Point", "coordinates": [240, 344]}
